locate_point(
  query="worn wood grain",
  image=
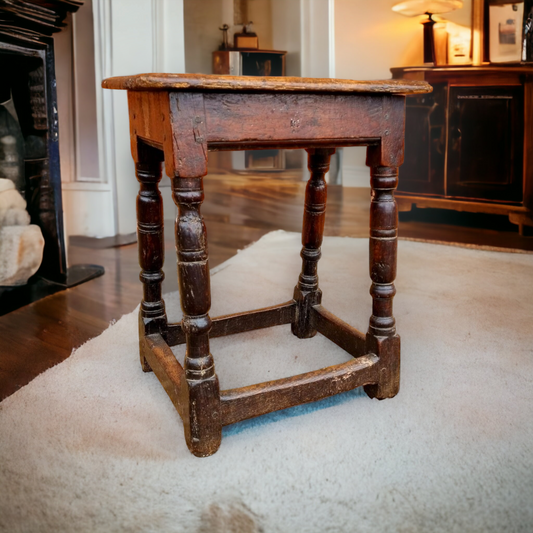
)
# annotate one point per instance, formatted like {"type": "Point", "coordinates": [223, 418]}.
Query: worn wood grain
{"type": "Point", "coordinates": [387, 349]}
{"type": "Point", "coordinates": [336, 330]}
{"type": "Point", "coordinates": [247, 402]}
{"type": "Point", "coordinates": [165, 366]}
{"type": "Point", "coordinates": [383, 249]}
{"type": "Point", "coordinates": [203, 430]}
{"type": "Point", "coordinates": [292, 118]}
{"type": "Point", "coordinates": [149, 120]}
{"type": "Point", "coordinates": [205, 82]}
{"type": "Point", "coordinates": [189, 136]}
{"type": "Point", "coordinates": [239, 322]}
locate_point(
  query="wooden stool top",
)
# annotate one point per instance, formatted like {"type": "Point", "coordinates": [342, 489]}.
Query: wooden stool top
{"type": "Point", "coordinates": [207, 82]}
{"type": "Point", "coordinates": [185, 115]}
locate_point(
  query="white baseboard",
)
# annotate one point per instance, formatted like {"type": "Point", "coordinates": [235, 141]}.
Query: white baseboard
{"type": "Point", "coordinates": [85, 186]}
{"type": "Point", "coordinates": [88, 210]}
{"type": "Point", "coordinates": [355, 176]}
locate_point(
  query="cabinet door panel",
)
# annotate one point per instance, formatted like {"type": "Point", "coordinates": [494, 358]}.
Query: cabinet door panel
{"type": "Point", "coordinates": [485, 143]}
{"type": "Point", "coordinates": [262, 64]}
{"type": "Point", "coordinates": [425, 143]}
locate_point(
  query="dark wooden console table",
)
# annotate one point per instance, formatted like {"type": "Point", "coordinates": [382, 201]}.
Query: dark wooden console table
{"type": "Point", "coordinates": [178, 118]}
{"type": "Point", "coordinates": [469, 144]}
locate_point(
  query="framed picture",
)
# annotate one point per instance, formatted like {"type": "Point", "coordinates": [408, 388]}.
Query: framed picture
{"type": "Point", "coordinates": [506, 25]}
{"type": "Point", "coordinates": [459, 44]}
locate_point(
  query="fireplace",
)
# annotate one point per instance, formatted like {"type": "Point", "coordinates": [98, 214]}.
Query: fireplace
{"type": "Point", "coordinates": [28, 80]}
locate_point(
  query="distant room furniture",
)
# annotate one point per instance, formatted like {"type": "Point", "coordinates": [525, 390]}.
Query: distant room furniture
{"type": "Point", "coordinates": [249, 62]}
{"type": "Point", "coordinates": [469, 143]}
{"type": "Point", "coordinates": [177, 118]}
{"type": "Point", "coordinates": [415, 8]}
{"type": "Point", "coordinates": [253, 63]}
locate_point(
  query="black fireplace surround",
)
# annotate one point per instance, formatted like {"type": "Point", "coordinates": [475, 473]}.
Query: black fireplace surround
{"type": "Point", "coordinates": [27, 75]}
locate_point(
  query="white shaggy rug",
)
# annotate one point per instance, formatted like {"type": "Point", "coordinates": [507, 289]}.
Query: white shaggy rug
{"type": "Point", "coordinates": [94, 445]}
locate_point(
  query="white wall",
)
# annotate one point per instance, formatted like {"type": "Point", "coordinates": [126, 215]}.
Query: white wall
{"type": "Point", "coordinates": [462, 16]}
{"type": "Point", "coordinates": [358, 39]}
{"type": "Point", "coordinates": [286, 33]}
{"type": "Point", "coordinates": [202, 36]}
{"type": "Point", "coordinates": [370, 39]}
{"type": "Point", "coordinates": [317, 38]}
{"type": "Point", "coordinates": [130, 37]}
{"type": "Point", "coordinates": [260, 13]}
{"type": "Point", "coordinates": [83, 187]}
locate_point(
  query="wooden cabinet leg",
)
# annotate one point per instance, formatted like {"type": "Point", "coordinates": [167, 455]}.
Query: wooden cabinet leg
{"type": "Point", "coordinates": [151, 243]}
{"type": "Point", "coordinates": [307, 293]}
{"type": "Point", "coordinates": [381, 338]}
{"type": "Point", "coordinates": [200, 388]}
{"type": "Point", "coordinates": [521, 220]}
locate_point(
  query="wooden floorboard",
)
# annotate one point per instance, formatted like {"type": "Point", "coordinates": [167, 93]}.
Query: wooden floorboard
{"type": "Point", "coordinates": [238, 210]}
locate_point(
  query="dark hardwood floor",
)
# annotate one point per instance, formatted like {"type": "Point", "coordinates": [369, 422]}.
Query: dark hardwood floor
{"type": "Point", "coordinates": [238, 210]}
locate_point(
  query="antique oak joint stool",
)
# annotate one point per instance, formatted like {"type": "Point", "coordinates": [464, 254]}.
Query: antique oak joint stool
{"type": "Point", "coordinates": [177, 118]}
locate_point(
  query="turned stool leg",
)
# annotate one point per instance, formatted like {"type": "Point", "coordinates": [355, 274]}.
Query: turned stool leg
{"type": "Point", "coordinates": [201, 401]}
{"type": "Point", "coordinates": [307, 293]}
{"type": "Point", "coordinates": [381, 338]}
{"type": "Point", "coordinates": [152, 316]}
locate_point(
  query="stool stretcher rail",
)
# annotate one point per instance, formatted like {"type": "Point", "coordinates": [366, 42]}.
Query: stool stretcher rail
{"type": "Point", "coordinates": [342, 334]}
{"type": "Point", "coordinates": [255, 400]}
{"type": "Point", "coordinates": [276, 315]}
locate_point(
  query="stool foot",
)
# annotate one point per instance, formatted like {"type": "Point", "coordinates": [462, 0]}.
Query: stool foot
{"type": "Point", "coordinates": [201, 416]}
{"type": "Point", "coordinates": [388, 351]}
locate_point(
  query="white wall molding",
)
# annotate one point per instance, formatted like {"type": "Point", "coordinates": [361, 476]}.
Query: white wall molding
{"type": "Point", "coordinates": [158, 35]}
{"type": "Point", "coordinates": [93, 213]}
{"type": "Point", "coordinates": [86, 186]}
{"type": "Point", "coordinates": [147, 37]}
{"type": "Point", "coordinates": [331, 38]}
{"type": "Point", "coordinates": [85, 114]}
{"type": "Point", "coordinates": [286, 33]}
{"type": "Point", "coordinates": [317, 38]}
{"type": "Point", "coordinates": [104, 106]}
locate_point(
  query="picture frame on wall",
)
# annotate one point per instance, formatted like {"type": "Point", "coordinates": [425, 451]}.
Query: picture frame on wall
{"type": "Point", "coordinates": [508, 30]}
{"type": "Point", "coordinates": [459, 44]}
{"type": "Point", "coordinates": [505, 31]}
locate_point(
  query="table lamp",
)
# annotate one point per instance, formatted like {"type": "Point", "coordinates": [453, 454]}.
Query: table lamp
{"type": "Point", "coordinates": [413, 8]}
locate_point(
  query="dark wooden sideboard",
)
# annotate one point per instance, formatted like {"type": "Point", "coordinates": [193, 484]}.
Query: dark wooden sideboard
{"type": "Point", "coordinates": [469, 144]}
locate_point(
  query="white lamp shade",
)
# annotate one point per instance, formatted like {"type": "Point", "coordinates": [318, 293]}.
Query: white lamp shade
{"type": "Point", "coordinates": [412, 8]}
